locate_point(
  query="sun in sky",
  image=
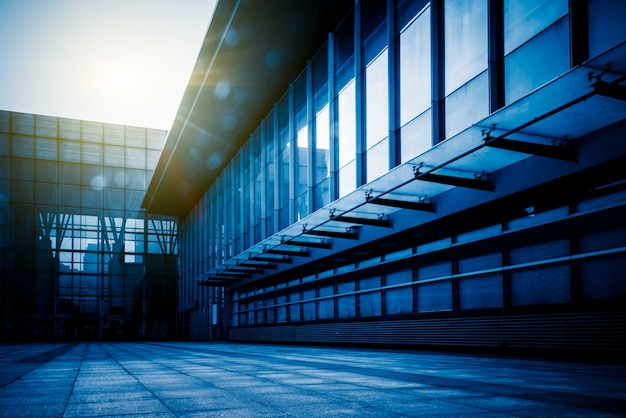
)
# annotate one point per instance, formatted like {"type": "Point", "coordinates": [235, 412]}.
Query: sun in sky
{"type": "Point", "coordinates": [115, 61]}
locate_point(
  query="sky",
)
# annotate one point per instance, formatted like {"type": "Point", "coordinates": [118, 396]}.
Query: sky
{"type": "Point", "coordinates": [116, 61]}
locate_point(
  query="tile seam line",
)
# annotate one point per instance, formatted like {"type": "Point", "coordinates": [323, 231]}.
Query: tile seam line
{"type": "Point", "coordinates": [197, 378]}
{"type": "Point", "coordinates": [411, 377]}
{"type": "Point", "coordinates": [103, 348]}
{"type": "Point", "coordinates": [82, 360]}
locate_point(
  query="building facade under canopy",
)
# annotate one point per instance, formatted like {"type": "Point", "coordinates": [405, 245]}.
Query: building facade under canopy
{"type": "Point", "coordinates": [445, 173]}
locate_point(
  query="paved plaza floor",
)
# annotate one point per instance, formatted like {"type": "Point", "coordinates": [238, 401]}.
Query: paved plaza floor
{"type": "Point", "coordinates": [247, 380]}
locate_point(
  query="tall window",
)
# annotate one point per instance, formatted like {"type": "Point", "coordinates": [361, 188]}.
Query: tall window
{"type": "Point", "coordinates": [346, 105]}
{"type": "Point", "coordinates": [466, 82]}
{"type": "Point", "coordinates": [302, 146]}
{"type": "Point", "coordinates": [534, 31]}
{"type": "Point", "coordinates": [415, 82]}
{"type": "Point", "coordinates": [321, 116]}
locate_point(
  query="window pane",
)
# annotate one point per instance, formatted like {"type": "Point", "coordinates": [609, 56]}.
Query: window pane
{"type": "Point", "coordinates": [399, 301]}
{"type": "Point", "coordinates": [433, 297]}
{"type": "Point", "coordinates": [523, 19]}
{"type": "Point", "coordinates": [377, 100]}
{"type": "Point", "coordinates": [465, 41]}
{"type": "Point", "coordinates": [606, 25]}
{"type": "Point", "coordinates": [347, 124]}
{"type": "Point", "coordinates": [378, 160]}
{"type": "Point", "coordinates": [415, 94]}
{"type": "Point", "coordinates": [481, 292]}
{"type": "Point", "coordinates": [467, 105]}
{"type": "Point", "coordinates": [370, 302]}
{"type": "Point", "coordinates": [416, 137]}
{"type": "Point", "coordinates": [603, 278]}
{"type": "Point", "coordinates": [522, 74]}
{"type": "Point", "coordinates": [541, 285]}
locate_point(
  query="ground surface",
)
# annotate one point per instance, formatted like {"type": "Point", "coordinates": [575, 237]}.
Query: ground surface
{"type": "Point", "coordinates": [245, 380]}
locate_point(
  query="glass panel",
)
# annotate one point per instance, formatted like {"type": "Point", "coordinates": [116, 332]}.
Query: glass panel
{"type": "Point", "coordinates": [523, 19]}
{"type": "Point", "coordinates": [416, 137]}
{"type": "Point", "coordinates": [22, 169]}
{"type": "Point", "coordinates": [465, 41]}
{"type": "Point", "coordinates": [326, 307]}
{"type": "Point", "coordinates": [46, 126]}
{"type": "Point", "coordinates": [481, 292]}
{"type": "Point", "coordinates": [541, 285]}
{"type": "Point", "coordinates": [347, 178]}
{"type": "Point", "coordinates": [92, 153]}
{"type": "Point", "coordinates": [46, 171]}
{"type": "Point", "coordinates": [322, 157]}
{"type": "Point", "coordinates": [46, 149]}
{"type": "Point", "coordinates": [283, 141]}
{"type": "Point", "coordinates": [433, 297]}
{"type": "Point", "coordinates": [5, 144]}
{"type": "Point", "coordinates": [378, 160]}
{"type": "Point", "coordinates": [606, 25]}
{"type": "Point", "coordinates": [344, 52]}
{"type": "Point", "coordinates": [135, 158]}
{"type": "Point", "coordinates": [377, 100]}
{"type": "Point", "coordinates": [347, 124]}
{"type": "Point", "coordinates": [113, 134]}
{"type": "Point", "coordinates": [540, 251]}
{"type": "Point", "coordinates": [370, 302]}
{"type": "Point", "coordinates": [23, 123]}
{"type": "Point", "coordinates": [135, 137]}
{"type": "Point", "coordinates": [22, 146]}
{"type": "Point", "coordinates": [69, 129]}
{"type": "Point", "coordinates": [415, 89]}
{"type": "Point", "coordinates": [92, 131]}
{"type": "Point", "coordinates": [434, 270]}
{"type": "Point", "coordinates": [521, 72]}
{"type": "Point", "coordinates": [346, 304]}
{"type": "Point", "coordinates": [270, 177]}
{"type": "Point", "coordinates": [468, 105]}
{"type": "Point", "coordinates": [155, 138]}
{"type": "Point", "coordinates": [400, 300]}
{"type": "Point", "coordinates": [480, 262]}
{"type": "Point", "coordinates": [308, 308]}
{"type": "Point", "coordinates": [603, 278]}
{"type": "Point", "coordinates": [69, 151]}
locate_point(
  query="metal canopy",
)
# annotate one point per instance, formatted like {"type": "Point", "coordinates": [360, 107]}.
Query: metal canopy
{"type": "Point", "coordinates": [543, 138]}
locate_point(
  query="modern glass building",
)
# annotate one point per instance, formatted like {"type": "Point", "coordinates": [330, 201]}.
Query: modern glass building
{"type": "Point", "coordinates": [79, 258]}
{"type": "Point", "coordinates": [442, 174]}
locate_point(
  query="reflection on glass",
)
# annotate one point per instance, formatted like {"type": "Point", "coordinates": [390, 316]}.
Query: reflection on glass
{"type": "Point", "coordinates": [523, 19]}
{"type": "Point", "coordinates": [377, 100]}
{"type": "Point", "coordinates": [415, 94]}
{"type": "Point", "coordinates": [465, 41]}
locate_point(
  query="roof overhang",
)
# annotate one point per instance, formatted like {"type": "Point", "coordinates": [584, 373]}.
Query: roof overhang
{"type": "Point", "coordinates": [252, 51]}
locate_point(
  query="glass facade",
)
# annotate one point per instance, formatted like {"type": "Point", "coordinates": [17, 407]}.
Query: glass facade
{"type": "Point", "coordinates": [394, 81]}
{"type": "Point", "coordinates": [79, 258]}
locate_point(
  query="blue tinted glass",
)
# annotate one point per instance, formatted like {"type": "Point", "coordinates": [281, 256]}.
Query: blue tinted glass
{"type": "Point", "coordinates": [377, 100]}
{"type": "Point", "coordinates": [433, 297]}
{"type": "Point", "coordinates": [481, 292]}
{"type": "Point", "coordinates": [415, 94]}
{"type": "Point", "coordinates": [523, 19]}
{"type": "Point", "coordinates": [468, 105]}
{"type": "Point", "coordinates": [521, 72]}
{"type": "Point", "coordinates": [606, 25]}
{"type": "Point", "coordinates": [465, 41]}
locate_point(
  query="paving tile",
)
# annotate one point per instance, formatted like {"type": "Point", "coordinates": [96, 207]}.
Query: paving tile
{"type": "Point", "coordinates": [248, 380]}
{"type": "Point", "coordinates": [124, 407]}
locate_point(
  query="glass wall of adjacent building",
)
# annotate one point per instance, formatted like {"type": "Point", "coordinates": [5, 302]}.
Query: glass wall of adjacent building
{"type": "Point", "coordinates": [78, 255]}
